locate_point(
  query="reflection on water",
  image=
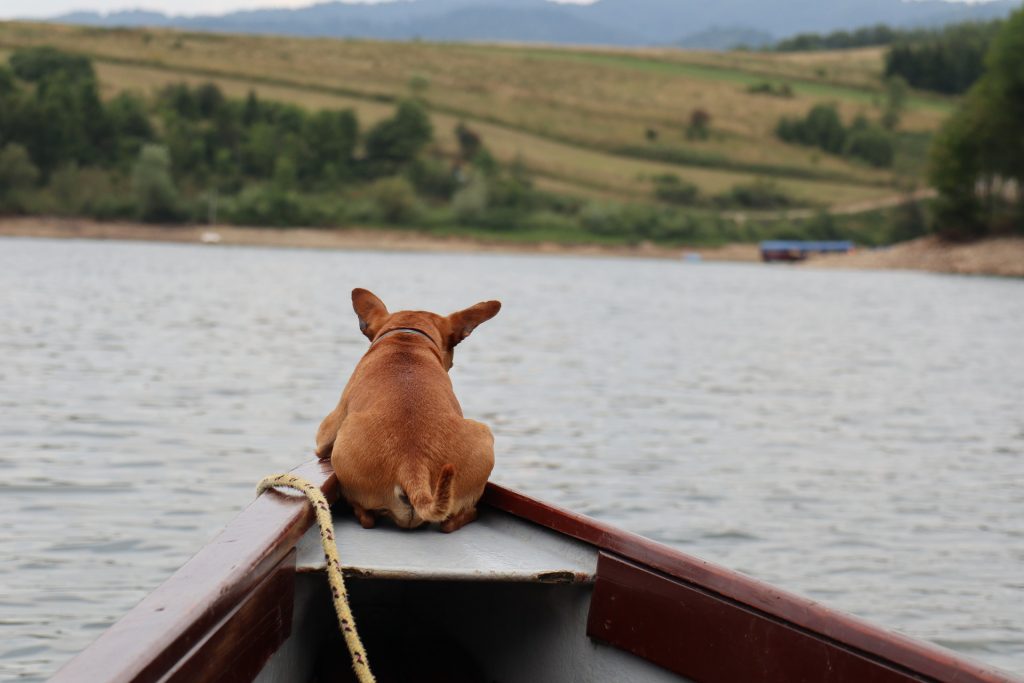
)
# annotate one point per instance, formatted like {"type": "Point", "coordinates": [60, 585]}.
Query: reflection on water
{"type": "Point", "coordinates": [854, 437]}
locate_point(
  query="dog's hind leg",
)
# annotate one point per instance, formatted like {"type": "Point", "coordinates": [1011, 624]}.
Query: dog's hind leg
{"type": "Point", "coordinates": [328, 432]}
{"type": "Point", "coordinates": [459, 520]}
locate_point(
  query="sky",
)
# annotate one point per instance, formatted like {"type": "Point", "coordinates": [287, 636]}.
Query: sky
{"type": "Point", "coordinates": [11, 9]}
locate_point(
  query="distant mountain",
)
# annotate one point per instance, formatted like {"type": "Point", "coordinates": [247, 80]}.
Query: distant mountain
{"type": "Point", "coordinates": [691, 23]}
{"type": "Point", "coordinates": [718, 38]}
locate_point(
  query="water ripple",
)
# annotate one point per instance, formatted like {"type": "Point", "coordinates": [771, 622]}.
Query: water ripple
{"type": "Point", "coordinates": [854, 437]}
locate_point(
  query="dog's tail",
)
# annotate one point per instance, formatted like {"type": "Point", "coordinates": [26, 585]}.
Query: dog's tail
{"type": "Point", "coordinates": [432, 506]}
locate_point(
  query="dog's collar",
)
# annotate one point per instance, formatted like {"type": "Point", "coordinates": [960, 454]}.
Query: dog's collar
{"type": "Point", "coordinates": [402, 330]}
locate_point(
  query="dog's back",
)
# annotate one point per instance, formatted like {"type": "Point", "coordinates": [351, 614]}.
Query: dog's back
{"type": "Point", "coordinates": [397, 440]}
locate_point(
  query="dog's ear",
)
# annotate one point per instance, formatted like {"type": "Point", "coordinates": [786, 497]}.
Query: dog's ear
{"type": "Point", "coordinates": [464, 322]}
{"type": "Point", "coordinates": [371, 311]}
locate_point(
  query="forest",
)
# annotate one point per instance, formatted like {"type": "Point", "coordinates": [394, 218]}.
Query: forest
{"type": "Point", "coordinates": [946, 60]}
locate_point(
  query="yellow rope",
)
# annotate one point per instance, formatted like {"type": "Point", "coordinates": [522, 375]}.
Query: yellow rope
{"type": "Point", "coordinates": [346, 622]}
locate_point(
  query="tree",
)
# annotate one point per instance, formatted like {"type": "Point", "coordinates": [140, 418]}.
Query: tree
{"type": "Point", "coordinates": [469, 141]}
{"type": "Point", "coordinates": [330, 138]}
{"type": "Point", "coordinates": [154, 188]}
{"type": "Point", "coordinates": [948, 60]}
{"type": "Point", "coordinates": [977, 159]}
{"type": "Point", "coordinates": [699, 127]}
{"type": "Point", "coordinates": [822, 128]}
{"type": "Point", "coordinates": [37, 64]}
{"type": "Point", "coordinates": [128, 118]}
{"type": "Point", "coordinates": [396, 141]}
{"type": "Point", "coordinates": [895, 101]}
{"type": "Point", "coordinates": [208, 99]}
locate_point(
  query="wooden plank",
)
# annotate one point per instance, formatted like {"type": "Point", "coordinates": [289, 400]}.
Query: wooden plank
{"type": "Point", "coordinates": [147, 643]}
{"type": "Point", "coordinates": [901, 652]}
{"type": "Point", "coordinates": [710, 639]}
{"type": "Point", "coordinates": [236, 649]}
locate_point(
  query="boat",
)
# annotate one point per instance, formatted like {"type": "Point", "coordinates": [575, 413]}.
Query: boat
{"type": "Point", "coordinates": [799, 250]}
{"type": "Point", "coordinates": [528, 592]}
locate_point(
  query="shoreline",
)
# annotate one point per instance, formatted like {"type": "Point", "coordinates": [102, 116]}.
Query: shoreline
{"type": "Point", "coordinates": [997, 256]}
{"type": "Point", "coordinates": [355, 239]}
{"type": "Point", "coordinates": [994, 256]}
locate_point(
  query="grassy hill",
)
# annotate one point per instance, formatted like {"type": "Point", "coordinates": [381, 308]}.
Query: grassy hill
{"type": "Point", "coordinates": [579, 119]}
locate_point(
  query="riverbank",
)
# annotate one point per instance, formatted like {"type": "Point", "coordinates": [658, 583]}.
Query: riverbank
{"type": "Point", "coordinates": [351, 239]}
{"type": "Point", "coordinates": [1002, 256]}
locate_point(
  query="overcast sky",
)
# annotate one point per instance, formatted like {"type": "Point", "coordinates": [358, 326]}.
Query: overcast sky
{"type": "Point", "coordinates": [10, 9]}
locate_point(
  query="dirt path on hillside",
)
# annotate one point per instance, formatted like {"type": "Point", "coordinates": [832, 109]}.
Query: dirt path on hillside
{"type": "Point", "coordinates": [842, 210]}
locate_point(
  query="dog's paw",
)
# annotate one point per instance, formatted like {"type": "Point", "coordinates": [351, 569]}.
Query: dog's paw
{"type": "Point", "coordinates": [366, 518]}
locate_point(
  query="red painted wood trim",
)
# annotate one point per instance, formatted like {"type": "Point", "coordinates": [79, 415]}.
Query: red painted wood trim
{"type": "Point", "coordinates": [710, 639]}
{"type": "Point", "coordinates": [903, 652]}
{"type": "Point", "coordinates": [148, 641]}
{"type": "Point", "coordinates": [237, 648]}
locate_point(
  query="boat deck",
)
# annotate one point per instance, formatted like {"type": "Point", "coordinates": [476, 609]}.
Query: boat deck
{"type": "Point", "coordinates": [496, 547]}
{"type": "Point", "coordinates": [529, 592]}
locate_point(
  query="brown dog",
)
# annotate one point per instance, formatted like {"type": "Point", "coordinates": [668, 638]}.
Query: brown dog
{"type": "Point", "coordinates": [397, 440]}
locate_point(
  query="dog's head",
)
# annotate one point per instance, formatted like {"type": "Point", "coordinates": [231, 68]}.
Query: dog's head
{"type": "Point", "coordinates": [445, 331]}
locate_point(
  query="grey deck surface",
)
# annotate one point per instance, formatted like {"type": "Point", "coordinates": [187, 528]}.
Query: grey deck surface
{"type": "Point", "coordinates": [496, 547]}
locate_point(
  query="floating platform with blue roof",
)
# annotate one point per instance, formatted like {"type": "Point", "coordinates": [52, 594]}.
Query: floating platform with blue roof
{"type": "Point", "coordinates": [798, 250]}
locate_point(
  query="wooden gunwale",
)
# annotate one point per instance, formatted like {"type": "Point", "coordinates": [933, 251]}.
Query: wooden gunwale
{"type": "Point", "coordinates": [148, 643]}
{"type": "Point", "coordinates": [887, 648]}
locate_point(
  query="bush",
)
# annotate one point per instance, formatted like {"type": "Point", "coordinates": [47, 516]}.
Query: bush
{"type": "Point", "coordinates": [396, 200]}
{"type": "Point", "coordinates": [821, 128]}
{"type": "Point", "coordinates": [603, 219]}
{"type": "Point", "coordinates": [80, 191]}
{"type": "Point", "coordinates": [550, 222]}
{"type": "Point", "coordinates": [871, 144]}
{"type": "Point", "coordinates": [512, 192]}
{"type": "Point", "coordinates": [910, 221]}
{"type": "Point", "coordinates": [433, 178]}
{"type": "Point", "coordinates": [672, 189]}
{"type": "Point", "coordinates": [271, 205]}
{"type": "Point", "coordinates": [759, 194]}
{"type": "Point", "coordinates": [471, 201]}
{"type": "Point", "coordinates": [767, 88]}
{"type": "Point", "coordinates": [154, 188]}
{"type": "Point", "coordinates": [822, 226]}
{"type": "Point", "coordinates": [17, 174]}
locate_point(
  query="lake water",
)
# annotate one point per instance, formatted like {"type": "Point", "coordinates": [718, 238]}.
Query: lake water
{"type": "Point", "coordinates": [856, 437]}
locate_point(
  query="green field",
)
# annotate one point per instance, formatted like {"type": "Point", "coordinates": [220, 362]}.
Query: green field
{"type": "Point", "coordinates": [579, 120]}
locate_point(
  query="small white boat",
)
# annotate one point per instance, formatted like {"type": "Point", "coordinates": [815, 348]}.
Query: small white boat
{"type": "Point", "coordinates": [528, 593]}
